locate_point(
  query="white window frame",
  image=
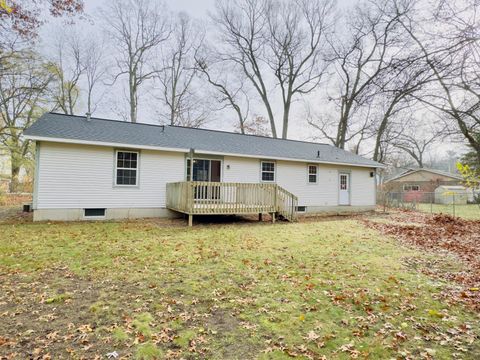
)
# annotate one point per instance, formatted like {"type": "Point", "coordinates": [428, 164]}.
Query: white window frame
{"type": "Point", "coordinates": [309, 173]}
{"type": "Point", "coordinates": [187, 159]}
{"type": "Point", "coordinates": [122, 168]}
{"type": "Point", "coordinates": [269, 172]}
{"type": "Point", "coordinates": [409, 187]}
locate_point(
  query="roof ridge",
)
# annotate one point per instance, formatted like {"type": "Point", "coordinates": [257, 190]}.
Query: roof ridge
{"type": "Point", "coordinates": [254, 135]}
{"type": "Point", "coordinates": [191, 128]}
{"type": "Point", "coordinates": [438, 172]}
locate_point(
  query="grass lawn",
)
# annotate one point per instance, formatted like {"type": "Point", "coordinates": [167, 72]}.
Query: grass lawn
{"type": "Point", "coordinates": [469, 212]}
{"type": "Point", "coordinates": [148, 290]}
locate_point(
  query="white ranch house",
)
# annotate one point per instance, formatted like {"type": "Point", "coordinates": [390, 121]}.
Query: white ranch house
{"type": "Point", "coordinates": [90, 168]}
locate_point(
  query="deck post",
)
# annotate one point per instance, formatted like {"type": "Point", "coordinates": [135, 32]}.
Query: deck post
{"type": "Point", "coordinates": [190, 220]}
{"type": "Point", "coordinates": [275, 191]}
{"type": "Point", "coordinates": [273, 218]}
{"type": "Point", "coordinates": [260, 217]}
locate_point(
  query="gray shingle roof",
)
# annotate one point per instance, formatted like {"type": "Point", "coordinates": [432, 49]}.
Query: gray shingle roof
{"type": "Point", "coordinates": [77, 128]}
{"type": "Point", "coordinates": [412, 170]}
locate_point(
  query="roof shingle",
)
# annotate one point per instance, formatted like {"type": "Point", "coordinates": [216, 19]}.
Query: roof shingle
{"type": "Point", "coordinates": [77, 128]}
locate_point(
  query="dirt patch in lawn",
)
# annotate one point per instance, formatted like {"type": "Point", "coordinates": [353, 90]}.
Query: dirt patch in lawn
{"type": "Point", "coordinates": [445, 235]}
{"type": "Point", "coordinates": [14, 214]}
{"type": "Point", "coordinates": [49, 316]}
{"type": "Point", "coordinates": [57, 314]}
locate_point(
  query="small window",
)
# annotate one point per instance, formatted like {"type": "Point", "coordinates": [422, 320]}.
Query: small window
{"type": "Point", "coordinates": [126, 168]}
{"type": "Point", "coordinates": [408, 187]}
{"type": "Point", "coordinates": [268, 171]}
{"type": "Point", "coordinates": [94, 212]}
{"type": "Point", "coordinates": [312, 174]}
{"type": "Point", "coordinates": [300, 208]}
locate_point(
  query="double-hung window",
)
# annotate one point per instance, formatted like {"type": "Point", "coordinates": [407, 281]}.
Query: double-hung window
{"type": "Point", "coordinates": [126, 168]}
{"type": "Point", "coordinates": [408, 187]}
{"type": "Point", "coordinates": [268, 171]}
{"type": "Point", "coordinates": [312, 174]}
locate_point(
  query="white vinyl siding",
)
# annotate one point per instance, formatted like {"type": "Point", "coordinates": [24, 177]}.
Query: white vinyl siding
{"type": "Point", "coordinates": [237, 169]}
{"type": "Point", "coordinates": [291, 176]}
{"type": "Point", "coordinates": [82, 176]}
{"type": "Point", "coordinates": [362, 187]}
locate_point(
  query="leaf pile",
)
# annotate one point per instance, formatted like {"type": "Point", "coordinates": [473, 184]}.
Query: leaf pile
{"type": "Point", "coordinates": [443, 234]}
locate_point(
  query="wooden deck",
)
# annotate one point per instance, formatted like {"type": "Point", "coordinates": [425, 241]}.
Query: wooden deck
{"type": "Point", "coordinates": [219, 198]}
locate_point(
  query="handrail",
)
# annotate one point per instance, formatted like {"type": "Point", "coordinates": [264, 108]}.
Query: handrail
{"type": "Point", "coordinates": [197, 197]}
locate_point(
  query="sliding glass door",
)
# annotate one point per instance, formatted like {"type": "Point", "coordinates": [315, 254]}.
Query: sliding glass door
{"type": "Point", "coordinates": [206, 170]}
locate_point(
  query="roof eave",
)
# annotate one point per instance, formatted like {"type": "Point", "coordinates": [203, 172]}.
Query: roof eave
{"type": "Point", "coordinates": [186, 150]}
{"type": "Point", "coordinates": [410, 171]}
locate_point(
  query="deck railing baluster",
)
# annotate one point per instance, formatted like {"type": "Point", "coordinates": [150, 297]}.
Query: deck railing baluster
{"type": "Point", "coordinates": [195, 197]}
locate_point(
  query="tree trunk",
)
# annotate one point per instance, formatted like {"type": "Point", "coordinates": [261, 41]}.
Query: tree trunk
{"type": "Point", "coordinates": [286, 112]}
{"type": "Point", "coordinates": [14, 182]}
{"type": "Point", "coordinates": [272, 120]}
{"type": "Point", "coordinates": [341, 132]}
{"type": "Point", "coordinates": [381, 131]}
{"type": "Point", "coordinates": [133, 99]}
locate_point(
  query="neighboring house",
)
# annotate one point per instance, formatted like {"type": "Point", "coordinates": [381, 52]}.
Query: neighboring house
{"type": "Point", "coordinates": [89, 168]}
{"type": "Point", "coordinates": [421, 179]}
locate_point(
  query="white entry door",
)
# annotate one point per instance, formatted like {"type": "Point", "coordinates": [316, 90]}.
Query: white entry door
{"type": "Point", "coordinates": [344, 189]}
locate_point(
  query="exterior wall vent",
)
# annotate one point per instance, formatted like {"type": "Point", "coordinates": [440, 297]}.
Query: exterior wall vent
{"type": "Point", "coordinates": [88, 213]}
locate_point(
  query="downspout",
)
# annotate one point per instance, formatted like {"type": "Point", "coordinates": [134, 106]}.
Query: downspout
{"type": "Point", "coordinates": [36, 175]}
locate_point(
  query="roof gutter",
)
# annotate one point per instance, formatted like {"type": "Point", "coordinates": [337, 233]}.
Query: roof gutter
{"type": "Point", "coordinates": [102, 143]}
{"type": "Point", "coordinates": [188, 150]}
{"type": "Point", "coordinates": [312, 161]}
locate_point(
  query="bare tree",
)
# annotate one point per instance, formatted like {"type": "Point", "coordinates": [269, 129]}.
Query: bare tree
{"type": "Point", "coordinates": [360, 60]}
{"type": "Point", "coordinates": [67, 67]}
{"type": "Point", "coordinates": [416, 139]}
{"type": "Point", "coordinates": [178, 73]}
{"type": "Point", "coordinates": [229, 88]}
{"type": "Point", "coordinates": [282, 41]}
{"type": "Point", "coordinates": [137, 28]}
{"type": "Point", "coordinates": [23, 94]}
{"type": "Point", "coordinates": [95, 72]}
{"type": "Point", "coordinates": [397, 93]}
{"type": "Point", "coordinates": [452, 53]}
{"type": "Point", "coordinates": [242, 25]}
{"type": "Point", "coordinates": [297, 37]}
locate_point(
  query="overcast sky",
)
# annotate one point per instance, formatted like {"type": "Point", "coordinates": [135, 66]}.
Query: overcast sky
{"type": "Point", "coordinates": [199, 9]}
{"type": "Point", "coordinates": [196, 8]}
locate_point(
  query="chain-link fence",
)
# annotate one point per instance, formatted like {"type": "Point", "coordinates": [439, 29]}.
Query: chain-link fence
{"type": "Point", "coordinates": [459, 204]}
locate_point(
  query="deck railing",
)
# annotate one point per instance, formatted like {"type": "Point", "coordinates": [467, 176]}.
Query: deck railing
{"type": "Point", "coordinates": [202, 198]}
